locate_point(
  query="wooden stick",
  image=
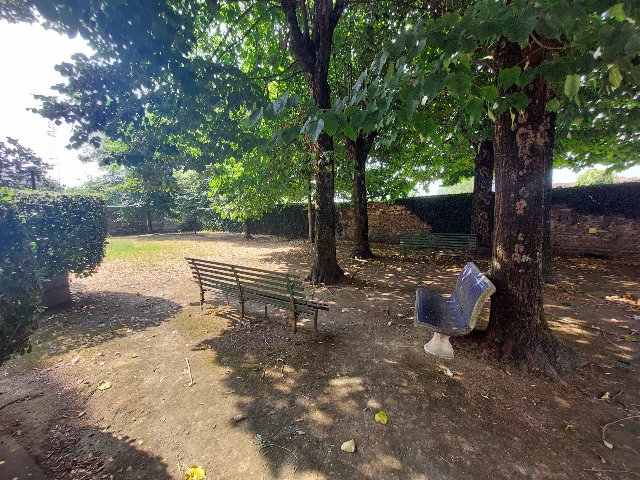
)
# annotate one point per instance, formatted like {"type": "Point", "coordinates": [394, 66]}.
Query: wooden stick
{"type": "Point", "coordinates": [191, 382]}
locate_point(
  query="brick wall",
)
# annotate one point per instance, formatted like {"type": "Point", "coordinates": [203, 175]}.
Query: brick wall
{"type": "Point", "coordinates": [612, 236]}
{"type": "Point", "coordinates": [385, 222]}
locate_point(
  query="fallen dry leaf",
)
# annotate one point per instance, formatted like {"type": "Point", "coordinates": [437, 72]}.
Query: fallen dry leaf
{"type": "Point", "coordinates": [349, 446]}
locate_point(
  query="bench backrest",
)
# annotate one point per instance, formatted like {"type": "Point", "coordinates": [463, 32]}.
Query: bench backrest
{"type": "Point", "coordinates": [225, 277]}
{"type": "Point", "coordinates": [472, 290]}
{"type": "Point", "coordinates": [462, 241]}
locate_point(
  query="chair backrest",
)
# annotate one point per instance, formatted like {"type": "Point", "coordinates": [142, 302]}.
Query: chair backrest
{"type": "Point", "coordinates": [472, 290]}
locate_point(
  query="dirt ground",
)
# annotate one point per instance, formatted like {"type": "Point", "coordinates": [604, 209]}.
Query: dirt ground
{"type": "Point", "coordinates": [266, 403]}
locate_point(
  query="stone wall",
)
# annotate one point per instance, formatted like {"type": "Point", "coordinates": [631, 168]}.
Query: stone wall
{"type": "Point", "coordinates": [385, 222]}
{"type": "Point", "coordinates": [611, 236]}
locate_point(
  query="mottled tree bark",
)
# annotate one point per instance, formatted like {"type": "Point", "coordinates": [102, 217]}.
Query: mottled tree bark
{"type": "Point", "coordinates": [482, 215]}
{"type": "Point", "coordinates": [358, 152]}
{"type": "Point", "coordinates": [311, 47]}
{"type": "Point", "coordinates": [547, 251]}
{"type": "Point", "coordinates": [517, 325]}
{"type": "Point", "coordinates": [311, 217]}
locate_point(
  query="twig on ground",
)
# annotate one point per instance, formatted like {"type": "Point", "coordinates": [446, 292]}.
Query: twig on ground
{"type": "Point", "coordinates": [23, 399]}
{"type": "Point", "coordinates": [440, 456]}
{"type": "Point", "coordinates": [611, 471]}
{"type": "Point", "coordinates": [191, 382]}
{"type": "Point", "coordinates": [604, 429]}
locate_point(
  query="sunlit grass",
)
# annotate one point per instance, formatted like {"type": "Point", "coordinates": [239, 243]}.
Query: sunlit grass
{"type": "Point", "coordinates": [129, 248]}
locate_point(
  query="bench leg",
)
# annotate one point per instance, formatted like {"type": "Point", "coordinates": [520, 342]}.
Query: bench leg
{"type": "Point", "coordinates": [315, 321]}
{"type": "Point", "coordinates": [265, 311]}
{"type": "Point", "coordinates": [439, 346]}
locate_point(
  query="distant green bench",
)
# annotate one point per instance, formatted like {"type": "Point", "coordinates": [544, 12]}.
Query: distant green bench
{"type": "Point", "coordinates": [441, 244]}
{"type": "Point", "coordinates": [252, 284]}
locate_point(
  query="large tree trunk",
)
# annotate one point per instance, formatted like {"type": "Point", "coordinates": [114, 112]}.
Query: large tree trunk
{"type": "Point", "coordinates": [311, 47]}
{"type": "Point", "coordinates": [482, 216]}
{"type": "Point", "coordinates": [311, 216]}
{"type": "Point", "coordinates": [246, 228]}
{"type": "Point", "coordinates": [517, 324]}
{"type": "Point", "coordinates": [358, 153]}
{"type": "Point", "coordinates": [547, 251]}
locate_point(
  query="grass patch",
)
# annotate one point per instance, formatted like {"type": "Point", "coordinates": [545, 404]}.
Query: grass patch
{"type": "Point", "coordinates": [128, 248]}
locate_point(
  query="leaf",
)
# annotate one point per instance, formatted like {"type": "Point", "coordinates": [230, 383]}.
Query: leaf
{"type": "Point", "coordinates": [509, 77]}
{"type": "Point", "coordinates": [314, 130]}
{"type": "Point", "coordinates": [256, 115]}
{"type": "Point", "coordinates": [103, 385]}
{"type": "Point", "coordinates": [607, 444]}
{"type": "Point", "coordinates": [381, 417]}
{"type": "Point", "coordinates": [475, 108]}
{"type": "Point", "coordinates": [195, 473]}
{"type": "Point", "coordinates": [553, 105]}
{"type": "Point", "coordinates": [350, 132]}
{"type": "Point", "coordinates": [615, 77]}
{"type": "Point", "coordinates": [490, 94]}
{"type": "Point", "coordinates": [331, 123]}
{"type": "Point", "coordinates": [630, 338]}
{"type": "Point", "coordinates": [572, 85]}
{"type": "Point", "coordinates": [134, 355]}
{"type": "Point", "coordinates": [617, 12]}
{"type": "Point", "coordinates": [349, 446]}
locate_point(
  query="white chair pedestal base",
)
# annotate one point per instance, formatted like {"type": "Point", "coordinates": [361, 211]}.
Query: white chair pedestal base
{"type": "Point", "coordinates": [439, 346]}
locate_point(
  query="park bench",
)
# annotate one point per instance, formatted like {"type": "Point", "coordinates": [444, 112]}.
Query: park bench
{"type": "Point", "coordinates": [251, 284]}
{"type": "Point", "coordinates": [456, 314]}
{"type": "Point", "coordinates": [440, 244]}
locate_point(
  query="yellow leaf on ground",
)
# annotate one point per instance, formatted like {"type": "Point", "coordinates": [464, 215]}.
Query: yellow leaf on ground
{"type": "Point", "coordinates": [195, 473]}
{"type": "Point", "coordinates": [381, 417]}
{"type": "Point", "coordinates": [104, 385]}
{"type": "Point", "coordinates": [349, 446]}
{"type": "Point", "coordinates": [134, 355]}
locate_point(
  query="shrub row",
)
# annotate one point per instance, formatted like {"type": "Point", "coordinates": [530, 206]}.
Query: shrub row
{"type": "Point", "coordinates": [42, 234]}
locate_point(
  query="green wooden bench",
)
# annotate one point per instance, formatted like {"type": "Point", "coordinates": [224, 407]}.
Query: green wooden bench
{"type": "Point", "coordinates": [414, 242]}
{"type": "Point", "coordinates": [252, 284]}
{"type": "Point", "coordinates": [439, 244]}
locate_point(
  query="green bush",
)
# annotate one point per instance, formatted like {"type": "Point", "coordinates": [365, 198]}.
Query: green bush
{"type": "Point", "coordinates": [19, 288]}
{"type": "Point", "coordinates": [42, 234]}
{"type": "Point", "coordinates": [69, 231]}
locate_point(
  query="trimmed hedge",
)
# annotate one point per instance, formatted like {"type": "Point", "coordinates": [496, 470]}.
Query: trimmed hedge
{"type": "Point", "coordinates": [69, 230]}
{"type": "Point", "coordinates": [20, 290]}
{"type": "Point", "coordinates": [445, 213]}
{"type": "Point", "coordinates": [42, 234]}
{"type": "Point", "coordinates": [620, 199]}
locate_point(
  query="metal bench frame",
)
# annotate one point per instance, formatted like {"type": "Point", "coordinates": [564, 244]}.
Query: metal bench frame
{"type": "Point", "coordinates": [456, 314]}
{"type": "Point", "coordinates": [441, 244]}
{"type": "Point", "coordinates": [252, 284]}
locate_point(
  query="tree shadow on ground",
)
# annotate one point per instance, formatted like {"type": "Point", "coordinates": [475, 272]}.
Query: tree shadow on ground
{"type": "Point", "coordinates": [98, 317]}
{"type": "Point", "coordinates": [303, 395]}
{"type": "Point", "coordinates": [60, 441]}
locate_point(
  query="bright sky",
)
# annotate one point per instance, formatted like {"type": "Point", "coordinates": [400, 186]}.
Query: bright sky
{"type": "Point", "coordinates": [28, 56]}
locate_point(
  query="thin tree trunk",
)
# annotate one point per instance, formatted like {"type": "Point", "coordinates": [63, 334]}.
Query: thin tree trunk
{"type": "Point", "coordinates": [149, 222]}
{"type": "Point", "coordinates": [517, 325]}
{"type": "Point", "coordinates": [247, 229]}
{"type": "Point", "coordinates": [358, 153]}
{"type": "Point", "coordinates": [311, 216]}
{"type": "Point", "coordinates": [482, 215]}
